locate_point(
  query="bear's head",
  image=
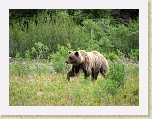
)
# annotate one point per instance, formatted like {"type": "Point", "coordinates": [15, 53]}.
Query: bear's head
{"type": "Point", "coordinates": [74, 58]}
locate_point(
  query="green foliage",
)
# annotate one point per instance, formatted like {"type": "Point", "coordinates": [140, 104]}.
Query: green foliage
{"type": "Point", "coordinates": [115, 77]}
{"type": "Point", "coordinates": [134, 54]}
{"type": "Point", "coordinates": [27, 54]}
{"type": "Point", "coordinates": [111, 87]}
{"type": "Point", "coordinates": [125, 38]}
{"type": "Point", "coordinates": [58, 58]}
{"type": "Point", "coordinates": [47, 29]}
{"type": "Point", "coordinates": [113, 56]}
{"type": "Point", "coordinates": [39, 51]}
{"type": "Point", "coordinates": [107, 37]}
{"type": "Point", "coordinates": [18, 55]}
{"type": "Point", "coordinates": [120, 54]}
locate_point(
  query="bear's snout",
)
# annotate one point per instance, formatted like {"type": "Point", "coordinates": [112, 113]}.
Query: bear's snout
{"type": "Point", "coordinates": [66, 62]}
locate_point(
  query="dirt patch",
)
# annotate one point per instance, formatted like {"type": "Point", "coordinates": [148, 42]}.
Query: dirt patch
{"type": "Point", "coordinates": [129, 62]}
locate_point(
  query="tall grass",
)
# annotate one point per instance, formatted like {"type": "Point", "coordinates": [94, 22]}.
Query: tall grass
{"type": "Point", "coordinates": [36, 83]}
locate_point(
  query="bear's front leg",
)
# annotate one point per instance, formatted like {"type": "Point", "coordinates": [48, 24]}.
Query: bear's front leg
{"type": "Point", "coordinates": [69, 75]}
{"type": "Point", "coordinates": [73, 71]}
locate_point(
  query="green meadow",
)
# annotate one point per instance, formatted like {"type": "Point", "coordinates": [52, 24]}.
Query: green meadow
{"type": "Point", "coordinates": [34, 83]}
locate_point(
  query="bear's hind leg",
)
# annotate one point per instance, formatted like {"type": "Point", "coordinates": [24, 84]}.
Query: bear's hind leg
{"type": "Point", "coordinates": [86, 73]}
{"type": "Point", "coordinates": [94, 75]}
{"type": "Point", "coordinates": [102, 71]}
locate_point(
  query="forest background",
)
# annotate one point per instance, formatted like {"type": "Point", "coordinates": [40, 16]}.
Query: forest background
{"type": "Point", "coordinates": [106, 31]}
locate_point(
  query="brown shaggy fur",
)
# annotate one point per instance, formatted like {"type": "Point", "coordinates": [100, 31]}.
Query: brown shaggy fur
{"type": "Point", "coordinates": [90, 62]}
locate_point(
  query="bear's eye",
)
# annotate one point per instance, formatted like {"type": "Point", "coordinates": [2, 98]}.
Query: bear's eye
{"type": "Point", "coordinates": [70, 58]}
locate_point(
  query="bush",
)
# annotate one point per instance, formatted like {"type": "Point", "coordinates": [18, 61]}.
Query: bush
{"type": "Point", "coordinates": [58, 58]}
{"type": "Point", "coordinates": [39, 51]}
{"type": "Point", "coordinates": [113, 56]}
{"type": "Point", "coordinates": [110, 37]}
{"type": "Point", "coordinates": [45, 31]}
{"type": "Point", "coordinates": [44, 35]}
{"type": "Point", "coordinates": [134, 54]}
{"type": "Point", "coordinates": [115, 77]}
{"type": "Point", "coordinates": [125, 38]}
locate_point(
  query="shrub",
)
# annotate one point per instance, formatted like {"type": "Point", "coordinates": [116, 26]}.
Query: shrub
{"type": "Point", "coordinates": [134, 54]}
{"type": "Point", "coordinates": [113, 56]}
{"type": "Point", "coordinates": [125, 38]}
{"type": "Point", "coordinates": [39, 51]}
{"type": "Point", "coordinates": [115, 77]}
{"type": "Point", "coordinates": [58, 58]}
{"type": "Point", "coordinates": [111, 87]}
{"type": "Point", "coordinates": [47, 30]}
{"type": "Point", "coordinates": [43, 35]}
{"type": "Point", "coordinates": [110, 37]}
{"type": "Point", "coordinates": [120, 54]}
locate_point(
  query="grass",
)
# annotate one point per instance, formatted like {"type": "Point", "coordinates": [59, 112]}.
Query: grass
{"type": "Point", "coordinates": [34, 83]}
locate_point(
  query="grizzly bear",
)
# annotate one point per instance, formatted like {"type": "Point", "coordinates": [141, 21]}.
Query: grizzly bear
{"type": "Point", "coordinates": [90, 62]}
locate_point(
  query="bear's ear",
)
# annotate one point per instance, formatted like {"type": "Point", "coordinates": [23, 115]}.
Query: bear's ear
{"type": "Point", "coordinates": [70, 52]}
{"type": "Point", "coordinates": [76, 53]}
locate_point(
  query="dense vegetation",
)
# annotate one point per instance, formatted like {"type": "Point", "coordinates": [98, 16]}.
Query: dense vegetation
{"type": "Point", "coordinates": [39, 41]}
{"type": "Point", "coordinates": [39, 33]}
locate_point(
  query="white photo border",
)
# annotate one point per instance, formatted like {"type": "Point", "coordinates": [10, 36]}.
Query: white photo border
{"type": "Point", "coordinates": [142, 109]}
